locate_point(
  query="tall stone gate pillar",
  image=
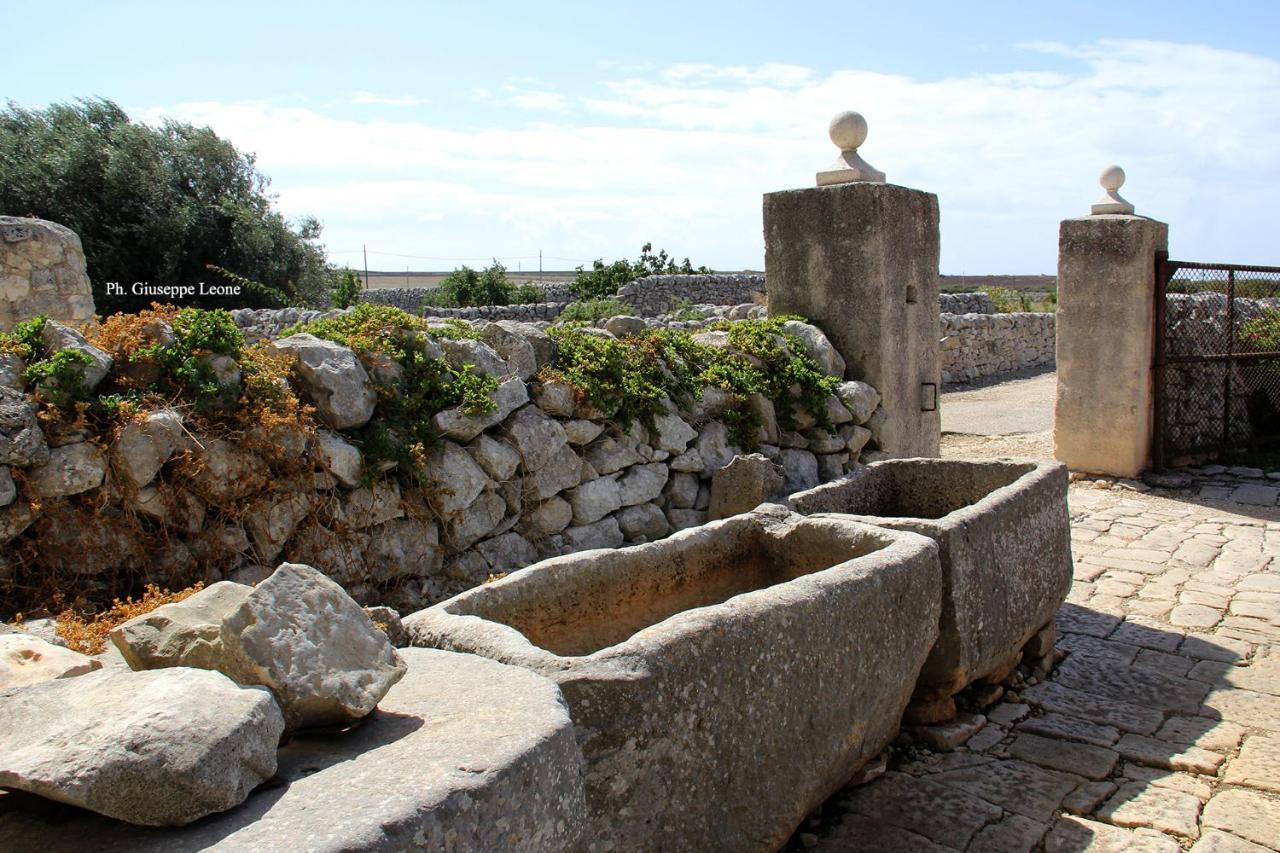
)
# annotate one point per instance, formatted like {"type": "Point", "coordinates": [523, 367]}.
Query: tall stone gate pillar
{"type": "Point", "coordinates": [1106, 335]}
{"type": "Point", "coordinates": [859, 258]}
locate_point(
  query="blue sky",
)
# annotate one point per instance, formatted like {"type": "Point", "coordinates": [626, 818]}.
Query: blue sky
{"type": "Point", "coordinates": [455, 133]}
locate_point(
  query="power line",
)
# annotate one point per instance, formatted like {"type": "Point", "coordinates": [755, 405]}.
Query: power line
{"type": "Point", "coordinates": [454, 258]}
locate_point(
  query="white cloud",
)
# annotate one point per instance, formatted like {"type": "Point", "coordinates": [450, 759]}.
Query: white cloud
{"type": "Point", "coordinates": [373, 98]}
{"type": "Point", "coordinates": [681, 156]}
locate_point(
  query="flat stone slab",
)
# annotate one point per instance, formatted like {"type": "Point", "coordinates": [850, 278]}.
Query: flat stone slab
{"type": "Point", "coordinates": [464, 753]}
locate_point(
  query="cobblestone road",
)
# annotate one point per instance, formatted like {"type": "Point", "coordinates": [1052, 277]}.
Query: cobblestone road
{"type": "Point", "coordinates": [1159, 729]}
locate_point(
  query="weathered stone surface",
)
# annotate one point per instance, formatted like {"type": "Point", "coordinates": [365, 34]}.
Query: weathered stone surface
{"type": "Point", "coordinates": [272, 519]}
{"type": "Point", "coordinates": [404, 547]}
{"type": "Point", "coordinates": [184, 633]}
{"type": "Point", "coordinates": [1248, 814]}
{"type": "Point", "coordinates": [642, 483]}
{"type": "Point", "coordinates": [362, 507]}
{"type": "Point", "coordinates": [480, 355]}
{"type": "Point", "coordinates": [477, 521]}
{"type": "Point", "coordinates": [174, 507]}
{"type": "Point", "coordinates": [1091, 762]}
{"type": "Point", "coordinates": [164, 747]}
{"type": "Point", "coordinates": [70, 470]}
{"type": "Point", "coordinates": [302, 636]}
{"type": "Point", "coordinates": [564, 471]}
{"type": "Point", "coordinates": [507, 552]}
{"type": "Point", "coordinates": [57, 337]}
{"type": "Point", "coordinates": [608, 455]}
{"type": "Point", "coordinates": [11, 369]}
{"type": "Point", "coordinates": [8, 490]}
{"type": "Point", "coordinates": [340, 458]}
{"type": "Point", "coordinates": [556, 398]}
{"type": "Point", "coordinates": [604, 533]}
{"type": "Point", "coordinates": [42, 273]}
{"type": "Point", "coordinates": [145, 445]}
{"type": "Point", "coordinates": [800, 469]}
{"type": "Point", "coordinates": [714, 448]}
{"type": "Point", "coordinates": [743, 484]}
{"type": "Point", "coordinates": [1070, 728]}
{"type": "Point", "coordinates": [222, 473]}
{"type": "Point", "coordinates": [595, 499]}
{"type": "Point", "coordinates": [1159, 753]}
{"type": "Point", "coordinates": [544, 348]}
{"type": "Point", "coordinates": [551, 516]}
{"type": "Point", "coordinates": [645, 522]}
{"type": "Point", "coordinates": [1019, 787]}
{"type": "Point", "coordinates": [1166, 810]}
{"type": "Point", "coordinates": [428, 773]}
{"type": "Point", "coordinates": [581, 431]}
{"type": "Point", "coordinates": [950, 734]}
{"type": "Point", "coordinates": [1255, 766]}
{"type": "Point", "coordinates": [1214, 841]}
{"type": "Point", "coordinates": [333, 378]}
{"type": "Point", "coordinates": [1074, 834]}
{"type": "Point", "coordinates": [455, 480]}
{"type": "Point", "coordinates": [672, 434]}
{"type": "Point", "coordinates": [514, 348]}
{"type": "Point", "coordinates": [21, 440]}
{"type": "Point", "coordinates": [860, 398]}
{"type": "Point", "coordinates": [537, 437]}
{"type": "Point", "coordinates": [26, 659]}
{"type": "Point", "coordinates": [457, 424]}
{"type": "Point", "coordinates": [817, 347]}
{"type": "Point", "coordinates": [623, 648]}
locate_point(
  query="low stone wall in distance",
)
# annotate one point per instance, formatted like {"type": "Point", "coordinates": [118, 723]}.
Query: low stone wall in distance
{"type": "Point", "coordinates": [978, 345]}
{"type": "Point", "coordinates": [966, 303]}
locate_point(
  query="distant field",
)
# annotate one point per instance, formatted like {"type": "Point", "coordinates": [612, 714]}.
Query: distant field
{"type": "Point", "coordinates": [950, 283]}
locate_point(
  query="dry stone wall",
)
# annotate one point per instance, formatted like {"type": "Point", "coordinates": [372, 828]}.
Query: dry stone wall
{"type": "Point", "coordinates": [541, 474]}
{"type": "Point", "coordinates": [42, 271]}
{"type": "Point", "coordinates": [978, 345]}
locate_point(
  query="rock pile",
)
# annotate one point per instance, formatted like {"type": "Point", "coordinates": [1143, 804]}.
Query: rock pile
{"type": "Point", "coordinates": [191, 725]}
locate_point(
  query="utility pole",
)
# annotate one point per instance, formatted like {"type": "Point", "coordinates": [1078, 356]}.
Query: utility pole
{"type": "Point", "coordinates": [539, 266]}
{"type": "Point", "coordinates": [365, 248]}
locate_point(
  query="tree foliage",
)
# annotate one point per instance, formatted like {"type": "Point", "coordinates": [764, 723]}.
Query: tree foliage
{"type": "Point", "coordinates": [155, 204]}
{"type": "Point", "coordinates": [603, 280]}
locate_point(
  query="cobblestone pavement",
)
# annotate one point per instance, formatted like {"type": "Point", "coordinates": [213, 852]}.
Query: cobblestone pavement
{"type": "Point", "coordinates": [1159, 728]}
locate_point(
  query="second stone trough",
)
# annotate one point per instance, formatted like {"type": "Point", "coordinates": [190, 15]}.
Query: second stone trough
{"type": "Point", "coordinates": [723, 682]}
{"type": "Point", "coordinates": [1004, 540]}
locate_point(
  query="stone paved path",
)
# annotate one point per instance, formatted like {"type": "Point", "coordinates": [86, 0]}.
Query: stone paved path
{"type": "Point", "coordinates": [1159, 729]}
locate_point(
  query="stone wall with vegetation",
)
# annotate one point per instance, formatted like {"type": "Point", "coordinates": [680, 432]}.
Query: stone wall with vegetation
{"type": "Point", "coordinates": [406, 458]}
{"type": "Point", "coordinates": [978, 345]}
{"type": "Point", "coordinates": [42, 271]}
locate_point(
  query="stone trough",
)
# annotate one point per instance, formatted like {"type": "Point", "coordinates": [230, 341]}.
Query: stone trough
{"type": "Point", "coordinates": [722, 682]}
{"type": "Point", "coordinates": [1004, 540]}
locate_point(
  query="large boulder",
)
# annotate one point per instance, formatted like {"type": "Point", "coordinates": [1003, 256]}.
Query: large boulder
{"type": "Point", "coordinates": [744, 484]}
{"type": "Point", "coordinates": [69, 470]}
{"type": "Point", "coordinates": [299, 634]}
{"type": "Point", "coordinates": [27, 659]}
{"type": "Point", "coordinates": [514, 348]}
{"type": "Point", "coordinates": [159, 748]}
{"type": "Point", "coordinates": [56, 337]}
{"type": "Point", "coordinates": [21, 440]}
{"type": "Point", "coordinates": [333, 377]}
{"type": "Point", "coordinates": [11, 369]}
{"type": "Point", "coordinates": [184, 633]}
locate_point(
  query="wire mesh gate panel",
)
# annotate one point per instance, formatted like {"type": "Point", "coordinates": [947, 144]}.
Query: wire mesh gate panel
{"type": "Point", "coordinates": [1217, 359]}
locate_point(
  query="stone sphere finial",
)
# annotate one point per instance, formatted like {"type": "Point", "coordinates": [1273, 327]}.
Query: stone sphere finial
{"type": "Point", "coordinates": [848, 130]}
{"type": "Point", "coordinates": [1112, 179]}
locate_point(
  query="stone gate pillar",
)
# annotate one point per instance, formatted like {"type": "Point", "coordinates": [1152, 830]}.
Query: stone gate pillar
{"type": "Point", "coordinates": [859, 258]}
{"type": "Point", "coordinates": [1106, 335]}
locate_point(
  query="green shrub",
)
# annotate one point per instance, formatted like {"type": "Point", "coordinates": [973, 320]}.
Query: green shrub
{"type": "Point", "coordinates": [603, 280]}
{"type": "Point", "coordinates": [346, 292]}
{"type": "Point", "coordinates": [590, 310]}
{"type": "Point", "coordinates": [527, 293]}
{"type": "Point", "coordinates": [465, 288]}
{"type": "Point", "coordinates": [60, 379]}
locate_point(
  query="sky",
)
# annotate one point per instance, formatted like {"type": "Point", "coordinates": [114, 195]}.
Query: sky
{"type": "Point", "coordinates": [438, 134]}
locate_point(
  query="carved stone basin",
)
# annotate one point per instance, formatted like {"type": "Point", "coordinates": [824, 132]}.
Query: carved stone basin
{"type": "Point", "coordinates": [1004, 539]}
{"type": "Point", "coordinates": [722, 682]}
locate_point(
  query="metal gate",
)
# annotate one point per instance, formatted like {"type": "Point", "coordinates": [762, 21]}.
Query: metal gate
{"type": "Point", "coordinates": [1217, 360]}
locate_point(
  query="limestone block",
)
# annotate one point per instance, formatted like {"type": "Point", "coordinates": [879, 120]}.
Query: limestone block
{"type": "Point", "coordinates": [744, 484]}
{"type": "Point", "coordinates": [70, 470]}
{"type": "Point", "coordinates": [595, 499]}
{"type": "Point", "coordinates": [498, 459]}
{"type": "Point", "coordinates": [456, 424]}
{"type": "Point", "coordinates": [478, 354]}
{"type": "Point", "coordinates": [644, 522]}
{"type": "Point", "coordinates": [453, 477]}
{"type": "Point", "coordinates": [537, 437]}
{"type": "Point", "coordinates": [163, 747]}
{"type": "Point", "coordinates": [299, 634]}
{"type": "Point", "coordinates": [604, 533]}
{"type": "Point", "coordinates": [333, 378]}
{"type": "Point", "coordinates": [551, 516]}
{"type": "Point", "coordinates": [222, 473]}
{"type": "Point", "coordinates": [564, 471]}
{"type": "Point", "coordinates": [8, 491]}
{"type": "Point", "coordinates": [581, 431]}
{"type": "Point", "coordinates": [477, 521]}
{"type": "Point", "coordinates": [11, 369]}
{"type": "Point", "coordinates": [145, 445]}
{"type": "Point", "coordinates": [21, 440]}
{"type": "Point", "coordinates": [403, 547]}
{"type": "Point", "coordinates": [642, 483]}
{"type": "Point", "coordinates": [513, 347]}
{"type": "Point", "coordinates": [56, 337]}
{"type": "Point", "coordinates": [340, 458]}
{"type": "Point", "coordinates": [800, 468]}
{"type": "Point", "coordinates": [183, 633]}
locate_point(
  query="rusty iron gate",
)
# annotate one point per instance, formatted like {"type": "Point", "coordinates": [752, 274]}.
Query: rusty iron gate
{"type": "Point", "coordinates": [1217, 360]}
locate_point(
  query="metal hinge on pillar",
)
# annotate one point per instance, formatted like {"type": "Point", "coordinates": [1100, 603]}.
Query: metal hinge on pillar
{"type": "Point", "coordinates": [928, 396]}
